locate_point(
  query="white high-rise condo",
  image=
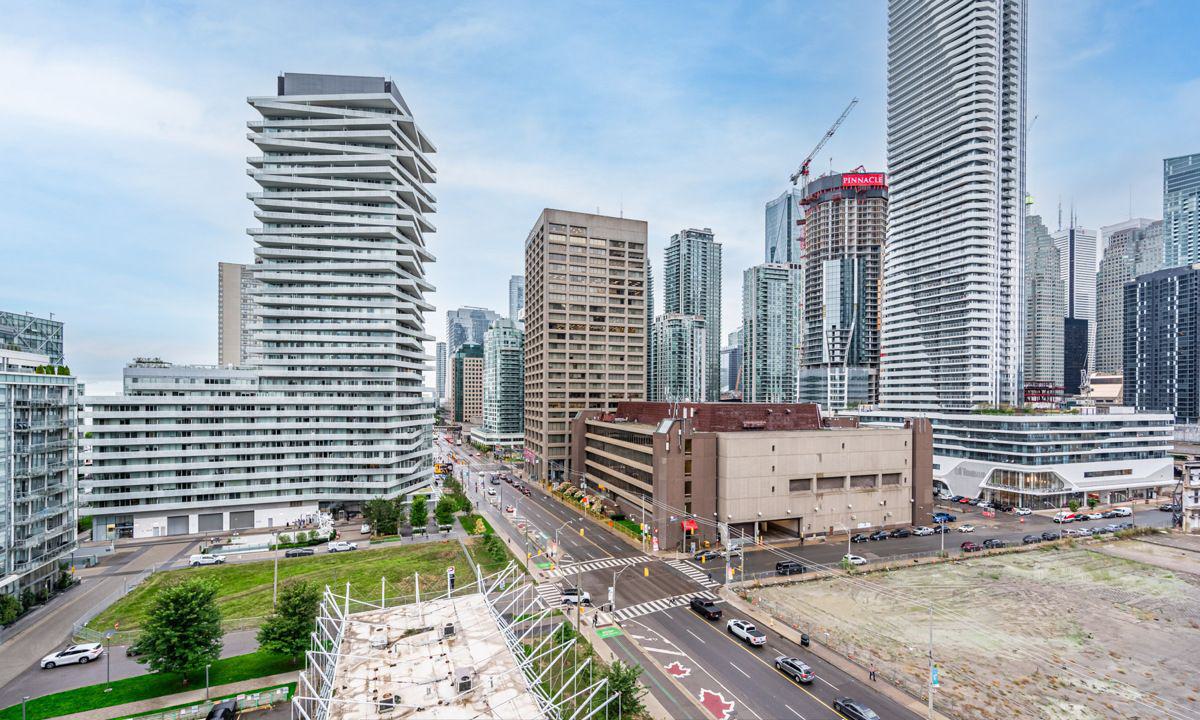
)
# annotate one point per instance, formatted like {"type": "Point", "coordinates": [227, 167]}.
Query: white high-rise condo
{"type": "Point", "coordinates": [331, 409]}
{"type": "Point", "coordinates": [692, 286]}
{"type": "Point", "coordinates": [956, 155]}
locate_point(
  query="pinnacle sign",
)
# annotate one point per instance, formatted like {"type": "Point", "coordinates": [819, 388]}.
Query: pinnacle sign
{"type": "Point", "coordinates": [863, 180]}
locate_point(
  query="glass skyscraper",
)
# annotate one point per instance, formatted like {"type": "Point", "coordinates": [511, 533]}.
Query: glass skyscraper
{"type": "Point", "coordinates": [1181, 210]}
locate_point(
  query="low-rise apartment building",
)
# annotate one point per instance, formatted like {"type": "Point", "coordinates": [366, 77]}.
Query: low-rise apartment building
{"type": "Point", "coordinates": [762, 469]}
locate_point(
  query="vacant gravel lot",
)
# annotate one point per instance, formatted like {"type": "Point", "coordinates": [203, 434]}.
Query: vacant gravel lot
{"type": "Point", "coordinates": [1087, 632]}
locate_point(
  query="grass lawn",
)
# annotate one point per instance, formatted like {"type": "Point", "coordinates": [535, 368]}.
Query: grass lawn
{"type": "Point", "coordinates": [244, 589]}
{"type": "Point", "coordinates": [468, 523]}
{"type": "Point", "coordinates": [227, 670]}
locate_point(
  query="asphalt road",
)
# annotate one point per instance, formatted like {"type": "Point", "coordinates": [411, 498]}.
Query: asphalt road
{"type": "Point", "coordinates": [726, 677]}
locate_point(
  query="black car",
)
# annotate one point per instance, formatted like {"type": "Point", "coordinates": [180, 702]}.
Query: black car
{"type": "Point", "coordinates": [994, 543]}
{"type": "Point", "coordinates": [1169, 507]}
{"type": "Point", "coordinates": [853, 710]}
{"type": "Point", "coordinates": [1127, 526]}
{"type": "Point", "coordinates": [1050, 535]}
{"type": "Point", "coordinates": [707, 608]}
{"type": "Point", "coordinates": [880, 535]}
{"type": "Point", "coordinates": [789, 567]}
{"type": "Point", "coordinates": [1100, 530]}
{"type": "Point", "coordinates": [940, 529]}
{"type": "Point", "coordinates": [859, 538]}
{"type": "Point", "coordinates": [901, 533]}
{"type": "Point", "coordinates": [298, 552]}
{"type": "Point", "coordinates": [1031, 539]}
{"type": "Point", "coordinates": [706, 555]}
{"type": "Point", "coordinates": [1110, 514]}
{"type": "Point", "coordinates": [224, 710]}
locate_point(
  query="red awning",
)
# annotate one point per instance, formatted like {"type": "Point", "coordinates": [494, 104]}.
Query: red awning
{"type": "Point", "coordinates": [689, 526]}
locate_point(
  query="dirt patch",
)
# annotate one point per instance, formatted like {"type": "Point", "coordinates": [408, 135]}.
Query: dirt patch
{"type": "Point", "coordinates": [1069, 633]}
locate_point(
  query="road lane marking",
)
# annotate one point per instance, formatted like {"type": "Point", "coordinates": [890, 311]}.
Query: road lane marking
{"type": "Point", "coordinates": [735, 667]}
{"type": "Point", "coordinates": [664, 651]}
{"type": "Point", "coordinates": [835, 687]}
{"type": "Point", "coordinates": [789, 707]}
{"type": "Point", "coordinates": [689, 632]}
{"type": "Point", "coordinates": [754, 655]}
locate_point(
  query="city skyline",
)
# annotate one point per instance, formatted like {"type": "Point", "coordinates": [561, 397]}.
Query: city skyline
{"type": "Point", "coordinates": [127, 293]}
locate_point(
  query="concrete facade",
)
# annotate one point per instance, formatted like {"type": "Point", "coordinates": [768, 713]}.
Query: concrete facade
{"type": "Point", "coordinates": [235, 312]}
{"type": "Point", "coordinates": [762, 469]}
{"type": "Point", "coordinates": [466, 384]}
{"type": "Point", "coordinates": [585, 326]}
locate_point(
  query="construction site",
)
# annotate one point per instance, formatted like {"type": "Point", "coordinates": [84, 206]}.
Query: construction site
{"type": "Point", "coordinates": [1084, 631]}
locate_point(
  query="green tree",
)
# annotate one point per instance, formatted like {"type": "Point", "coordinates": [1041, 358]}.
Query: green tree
{"type": "Point", "coordinates": [1073, 504]}
{"type": "Point", "coordinates": [623, 680]}
{"type": "Point", "coordinates": [287, 630]}
{"type": "Point", "coordinates": [382, 516]}
{"type": "Point", "coordinates": [10, 608]}
{"type": "Point", "coordinates": [419, 513]}
{"type": "Point", "coordinates": [182, 632]}
{"type": "Point", "coordinates": [1093, 502]}
{"type": "Point", "coordinates": [444, 510]}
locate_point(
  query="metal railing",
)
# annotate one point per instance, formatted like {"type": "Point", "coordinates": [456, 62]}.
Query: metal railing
{"type": "Point", "coordinates": [245, 701]}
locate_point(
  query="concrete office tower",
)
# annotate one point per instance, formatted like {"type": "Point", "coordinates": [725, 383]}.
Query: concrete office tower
{"type": "Point", "coordinates": [585, 326]}
{"type": "Point", "coordinates": [26, 333]}
{"type": "Point", "coordinates": [650, 379]}
{"type": "Point", "coordinates": [1162, 343]}
{"type": "Point", "coordinates": [1077, 268]}
{"type": "Point", "coordinates": [692, 286]}
{"type": "Point", "coordinates": [845, 225]}
{"type": "Point", "coordinates": [731, 365]}
{"type": "Point", "coordinates": [37, 469]}
{"type": "Point", "coordinates": [516, 297]}
{"type": "Point", "coordinates": [1181, 210]}
{"type": "Point", "coordinates": [466, 384]}
{"type": "Point", "coordinates": [1045, 307]}
{"type": "Point", "coordinates": [784, 228]}
{"type": "Point", "coordinates": [952, 336]}
{"type": "Point", "coordinates": [770, 331]}
{"type": "Point", "coordinates": [440, 371]}
{"type": "Point", "coordinates": [503, 386]}
{"type": "Point", "coordinates": [681, 369]}
{"type": "Point", "coordinates": [467, 325]}
{"type": "Point", "coordinates": [235, 312]}
{"type": "Point", "coordinates": [1131, 249]}
{"type": "Point", "coordinates": [334, 411]}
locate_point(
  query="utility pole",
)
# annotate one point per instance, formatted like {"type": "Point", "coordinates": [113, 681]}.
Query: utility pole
{"type": "Point", "coordinates": [932, 677]}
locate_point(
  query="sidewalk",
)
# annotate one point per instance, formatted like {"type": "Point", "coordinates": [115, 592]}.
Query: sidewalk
{"type": "Point", "coordinates": [183, 698]}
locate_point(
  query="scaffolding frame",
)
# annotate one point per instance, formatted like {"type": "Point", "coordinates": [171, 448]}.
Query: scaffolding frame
{"type": "Point", "coordinates": [515, 610]}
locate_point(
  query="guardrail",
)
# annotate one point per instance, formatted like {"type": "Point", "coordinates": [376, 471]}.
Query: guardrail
{"type": "Point", "coordinates": [245, 701]}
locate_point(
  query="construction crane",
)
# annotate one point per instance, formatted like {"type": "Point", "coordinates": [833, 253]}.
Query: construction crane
{"type": "Point", "coordinates": [803, 171]}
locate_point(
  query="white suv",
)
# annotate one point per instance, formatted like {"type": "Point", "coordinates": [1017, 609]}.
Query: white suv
{"type": "Point", "coordinates": [197, 560]}
{"type": "Point", "coordinates": [81, 654]}
{"type": "Point", "coordinates": [342, 546]}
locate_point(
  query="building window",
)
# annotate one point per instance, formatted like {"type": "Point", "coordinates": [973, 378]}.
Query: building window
{"type": "Point", "coordinates": [800, 485]}
{"type": "Point", "coordinates": [831, 483]}
{"type": "Point", "coordinates": [861, 482]}
{"type": "Point", "coordinates": [891, 478]}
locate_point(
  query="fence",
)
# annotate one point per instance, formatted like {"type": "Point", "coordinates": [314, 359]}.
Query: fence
{"type": "Point", "coordinates": [245, 701]}
{"type": "Point", "coordinates": [79, 629]}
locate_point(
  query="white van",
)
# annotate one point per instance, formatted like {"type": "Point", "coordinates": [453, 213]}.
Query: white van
{"type": "Point", "coordinates": [1123, 512]}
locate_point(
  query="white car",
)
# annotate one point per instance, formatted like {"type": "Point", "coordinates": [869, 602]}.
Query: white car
{"type": "Point", "coordinates": [1095, 516]}
{"type": "Point", "coordinates": [76, 654]}
{"type": "Point", "coordinates": [1023, 511]}
{"type": "Point", "coordinates": [575, 596]}
{"type": "Point", "coordinates": [855, 559]}
{"type": "Point", "coordinates": [984, 505]}
{"type": "Point", "coordinates": [491, 492]}
{"type": "Point", "coordinates": [1123, 511]}
{"type": "Point", "coordinates": [966, 528]}
{"type": "Point", "coordinates": [510, 509]}
{"type": "Point", "coordinates": [197, 560]}
{"type": "Point", "coordinates": [342, 546]}
{"type": "Point", "coordinates": [365, 529]}
{"type": "Point", "coordinates": [922, 531]}
{"type": "Point", "coordinates": [1071, 532]}
{"type": "Point", "coordinates": [745, 630]}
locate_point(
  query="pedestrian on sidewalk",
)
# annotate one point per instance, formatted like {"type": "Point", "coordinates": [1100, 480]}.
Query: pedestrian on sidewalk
{"type": "Point", "coordinates": [872, 672]}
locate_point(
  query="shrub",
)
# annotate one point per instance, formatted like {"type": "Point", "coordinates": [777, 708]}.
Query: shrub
{"type": "Point", "coordinates": [10, 609]}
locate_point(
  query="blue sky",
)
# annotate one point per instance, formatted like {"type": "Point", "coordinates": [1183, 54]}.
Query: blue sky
{"type": "Point", "coordinates": [122, 128]}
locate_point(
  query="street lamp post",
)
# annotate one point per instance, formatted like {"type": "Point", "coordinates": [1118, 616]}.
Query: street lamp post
{"type": "Point", "coordinates": [23, 701]}
{"type": "Point", "coordinates": [108, 662]}
{"type": "Point", "coordinates": [275, 581]}
{"type": "Point", "coordinates": [206, 667]}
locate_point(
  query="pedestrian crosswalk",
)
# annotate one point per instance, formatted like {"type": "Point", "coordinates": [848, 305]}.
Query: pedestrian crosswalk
{"type": "Point", "coordinates": [588, 566]}
{"type": "Point", "coordinates": [653, 606]}
{"type": "Point", "coordinates": [550, 594]}
{"type": "Point", "coordinates": [693, 572]}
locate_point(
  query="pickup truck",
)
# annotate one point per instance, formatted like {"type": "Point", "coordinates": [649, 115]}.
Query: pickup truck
{"type": "Point", "coordinates": [707, 608]}
{"type": "Point", "coordinates": [745, 630]}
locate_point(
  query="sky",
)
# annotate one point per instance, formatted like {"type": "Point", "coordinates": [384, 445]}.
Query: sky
{"type": "Point", "coordinates": [122, 128]}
